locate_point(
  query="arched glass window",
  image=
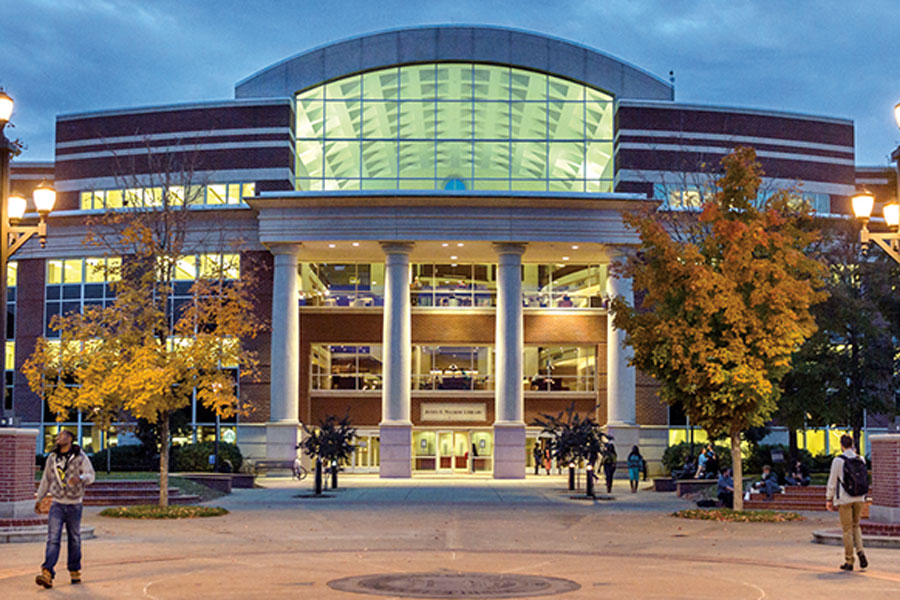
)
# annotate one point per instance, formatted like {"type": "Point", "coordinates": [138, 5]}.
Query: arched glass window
{"type": "Point", "coordinates": [451, 126]}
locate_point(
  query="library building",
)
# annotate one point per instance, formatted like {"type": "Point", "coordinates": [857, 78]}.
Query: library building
{"type": "Point", "coordinates": [436, 210]}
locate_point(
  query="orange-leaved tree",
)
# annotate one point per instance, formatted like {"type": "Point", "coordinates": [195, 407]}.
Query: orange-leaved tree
{"type": "Point", "coordinates": [149, 354]}
{"type": "Point", "coordinates": [717, 318]}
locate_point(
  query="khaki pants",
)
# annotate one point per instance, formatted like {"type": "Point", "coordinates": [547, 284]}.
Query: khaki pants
{"type": "Point", "coordinates": [849, 514]}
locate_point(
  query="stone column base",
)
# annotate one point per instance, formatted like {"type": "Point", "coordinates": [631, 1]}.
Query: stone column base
{"type": "Point", "coordinates": [282, 438]}
{"type": "Point", "coordinates": [625, 435]}
{"type": "Point", "coordinates": [396, 450]}
{"type": "Point", "coordinates": [509, 450]}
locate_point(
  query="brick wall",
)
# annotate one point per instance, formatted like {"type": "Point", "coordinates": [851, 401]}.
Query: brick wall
{"type": "Point", "coordinates": [17, 451]}
{"type": "Point", "coordinates": [886, 475]}
{"type": "Point", "coordinates": [29, 327]}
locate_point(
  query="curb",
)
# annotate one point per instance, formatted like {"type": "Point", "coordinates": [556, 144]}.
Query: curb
{"type": "Point", "coordinates": [833, 537]}
{"type": "Point", "coordinates": [37, 533]}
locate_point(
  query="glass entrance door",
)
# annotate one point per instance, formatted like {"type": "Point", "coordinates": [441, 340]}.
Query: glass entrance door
{"type": "Point", "coordinates": [461, 451]}
{"type": "Point", "coordinates": [445, 451]}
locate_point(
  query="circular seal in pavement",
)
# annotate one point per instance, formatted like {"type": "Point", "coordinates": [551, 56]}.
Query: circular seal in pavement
{"type": "Point", "coordinates": [454, 584]}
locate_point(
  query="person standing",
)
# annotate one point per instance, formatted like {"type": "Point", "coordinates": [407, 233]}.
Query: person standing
{"type": "Point", "coordinates": [635, 462]}
{"type": "Point", "coordinates": [846, 490]}
{"type": "Point", "coordinates": [609, 465]}
{"type": "Point", "coordinates": [66, 473]}
{"type": "Point", "coordinates": [538, 455]}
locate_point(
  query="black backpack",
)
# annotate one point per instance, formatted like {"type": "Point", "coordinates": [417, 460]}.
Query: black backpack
{"type": "Point", "coordinates": [856, 479]}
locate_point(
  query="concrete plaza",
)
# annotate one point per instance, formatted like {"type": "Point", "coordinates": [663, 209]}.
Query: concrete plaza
{"type": "Point", "coordinates": [274, 544]}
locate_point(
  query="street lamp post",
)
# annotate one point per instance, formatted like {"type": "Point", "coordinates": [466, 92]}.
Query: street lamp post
{"type": "Point", "coordinates": [13, 233]}
{"type": "Point", "coordinates": [864, 202]}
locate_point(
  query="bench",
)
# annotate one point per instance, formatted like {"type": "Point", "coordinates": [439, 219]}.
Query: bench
{"type": "Point", "coordinates": [663, 484]}
{"type": "Point", "coordinates": [692, 486]}
{"type": "Point", "coordinates": [216, 481]}
{"type": "Point", "coordinates": [264, 466]}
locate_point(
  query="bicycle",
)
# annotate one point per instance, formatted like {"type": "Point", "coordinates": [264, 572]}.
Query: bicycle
{"type": "Point", "coordinates": [298, 471]}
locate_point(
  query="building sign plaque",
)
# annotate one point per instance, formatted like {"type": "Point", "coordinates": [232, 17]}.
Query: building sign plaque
{"type": "Point", "coordinates": [446, 411]}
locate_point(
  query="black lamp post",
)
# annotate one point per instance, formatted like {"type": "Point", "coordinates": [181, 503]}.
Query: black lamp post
{"type": "Point", "coordinates": [13, 234]}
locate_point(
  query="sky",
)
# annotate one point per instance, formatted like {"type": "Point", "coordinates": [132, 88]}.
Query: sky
{"type": "Point", "coordinates": [823, 57]}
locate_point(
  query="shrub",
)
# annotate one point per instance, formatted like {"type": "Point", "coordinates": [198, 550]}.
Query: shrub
{"type": "Point", "coordinates": [133, 457]}
{"type": "Point", "coordinates": [195, 457]}
{"type": "Point", "coordinates": [746, 516]}
{"type": "Point", "coordinates": [154, 511]}
{"type": "Point", "coordinates": [673, 457]}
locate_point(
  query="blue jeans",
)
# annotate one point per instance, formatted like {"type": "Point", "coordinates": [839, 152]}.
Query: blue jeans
{"type": "Point", "coordinates": [70, 515]}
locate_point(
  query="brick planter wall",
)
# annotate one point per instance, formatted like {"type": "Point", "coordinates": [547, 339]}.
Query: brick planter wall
{"type": "Point", "coordinates": [17, 452]}
{"type": "Point", "coordinates": [885, 478]}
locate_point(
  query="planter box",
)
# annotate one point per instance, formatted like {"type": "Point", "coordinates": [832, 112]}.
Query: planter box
{"type": "Point", "coordinates": [663, 484]}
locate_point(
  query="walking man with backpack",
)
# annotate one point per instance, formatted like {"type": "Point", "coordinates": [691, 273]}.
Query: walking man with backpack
{"type": "Point", "coordinates": [848, 484]}
{"type": "Point", "coordinates": [68, 470]}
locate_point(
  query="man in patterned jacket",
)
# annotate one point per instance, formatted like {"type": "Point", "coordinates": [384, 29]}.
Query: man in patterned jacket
{"type": "Point", "coordinates": [68, 470]}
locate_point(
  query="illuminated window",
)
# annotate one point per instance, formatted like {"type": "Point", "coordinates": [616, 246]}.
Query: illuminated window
{"type": "Point", "coordinates": [74, 284]}
{"type": "Point", "coordinates": [560, 368]}
{"type": "Point", "coordinates": [453, 367]}
{"type": "Point", "coordinates": [454, 127]}
{"type": "Point", "coordinates": [345, 367]}
{"type": "Point", "coordinates": [217, 194]}
{"type": "Point", "coordinates": [563, 285]}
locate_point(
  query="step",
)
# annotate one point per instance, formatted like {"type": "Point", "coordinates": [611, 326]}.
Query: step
{"type": "Point", "coordinates": [89, 492]}
{"type": "Point", "coordinates": [37, 534]}
{"type": "Point", "coordinates": [132, 500]}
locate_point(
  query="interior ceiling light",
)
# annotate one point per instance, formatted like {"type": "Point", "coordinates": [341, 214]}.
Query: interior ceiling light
{"type": "Point", "coordinates": [454, 257]}
{"type": "Point", "coordinates": [565, 258]}
{"type": "Point", "coordinates": [445, 244]}
{"type": "Point", "coordinates": [355, 244]}
{"type": "Point", "coordinates": [331, 245]}
{"type": "Point", "coordinates": [574, 247]}
{"type": "Point", "coordinates": [460, 245]}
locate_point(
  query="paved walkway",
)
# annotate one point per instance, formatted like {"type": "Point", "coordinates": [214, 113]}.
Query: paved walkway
{"type": "Point", "coordinates": [274, 545]}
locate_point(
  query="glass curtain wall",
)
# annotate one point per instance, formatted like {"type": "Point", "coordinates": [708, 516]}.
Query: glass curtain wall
{"type": "Point", "coordinates": [454, 126]}
{"type": "Point", "coordinates": [453, 367]}
{"type": "Point", "coordinates": [560, 368]}
{"type": "Point", "coordinates": [455, 285]}
{"type": "Point", "coordinates": [564, 286]}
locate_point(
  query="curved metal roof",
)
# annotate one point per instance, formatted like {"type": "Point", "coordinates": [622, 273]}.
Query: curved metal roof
{"type": "Point", "coordinates": [455, 44]}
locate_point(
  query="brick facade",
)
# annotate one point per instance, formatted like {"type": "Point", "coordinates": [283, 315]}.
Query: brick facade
{"type": "Point", "coordinates": [886, 476]}
{"type": "Point", "coordinates": [17, 451]}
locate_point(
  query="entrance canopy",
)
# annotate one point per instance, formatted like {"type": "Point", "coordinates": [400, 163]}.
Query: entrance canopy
{"type": "Point", "coordinates": [445, 225]}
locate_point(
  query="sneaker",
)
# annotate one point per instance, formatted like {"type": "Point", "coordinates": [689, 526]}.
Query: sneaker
{"type": "Point", "coordinates": [75, 576]}
{"type": "Point", "coordinates": [847, 567]}
{"type": "Point", "coordinates": [863, 561]}
{"type": "Point", "coordinates": [45, 578]}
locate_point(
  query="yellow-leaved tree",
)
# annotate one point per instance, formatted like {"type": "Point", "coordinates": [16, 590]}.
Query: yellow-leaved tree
{"type": "Point", "coordinates": [145, 354]}
{"type": "Point", "coordinates": [718, 316]}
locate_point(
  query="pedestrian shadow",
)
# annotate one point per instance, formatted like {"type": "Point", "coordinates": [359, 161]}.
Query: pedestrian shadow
{"type": "Point", "coordinates": [839, 577]}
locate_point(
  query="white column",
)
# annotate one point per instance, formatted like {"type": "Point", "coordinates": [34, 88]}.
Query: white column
{"type": "Point", "coordinates": [620, 377]}
{"type": "Point", "coordinates": [283, 428]}
{"type": "Point", "coordinates": [509, 405]}
{"type": "Point", "coordinates": [396, 426]}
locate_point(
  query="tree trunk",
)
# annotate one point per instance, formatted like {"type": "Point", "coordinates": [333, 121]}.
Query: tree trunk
{"type": "Point", "coordinates": [164, 459]}
{"type": "Point", "coordinates": [737, 470]}
{"type": "Point", "coordinates": [792, 443]}
{"type": "Point", "coordinates": [108, 452]}
{"type": "Point", "coordinates": [857, 434]}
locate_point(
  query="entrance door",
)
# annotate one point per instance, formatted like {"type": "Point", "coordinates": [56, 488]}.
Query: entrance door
{"type": "Point", "coordinates": [445, 451]}
{"type": "Point", "coordinates": [461, 449]}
